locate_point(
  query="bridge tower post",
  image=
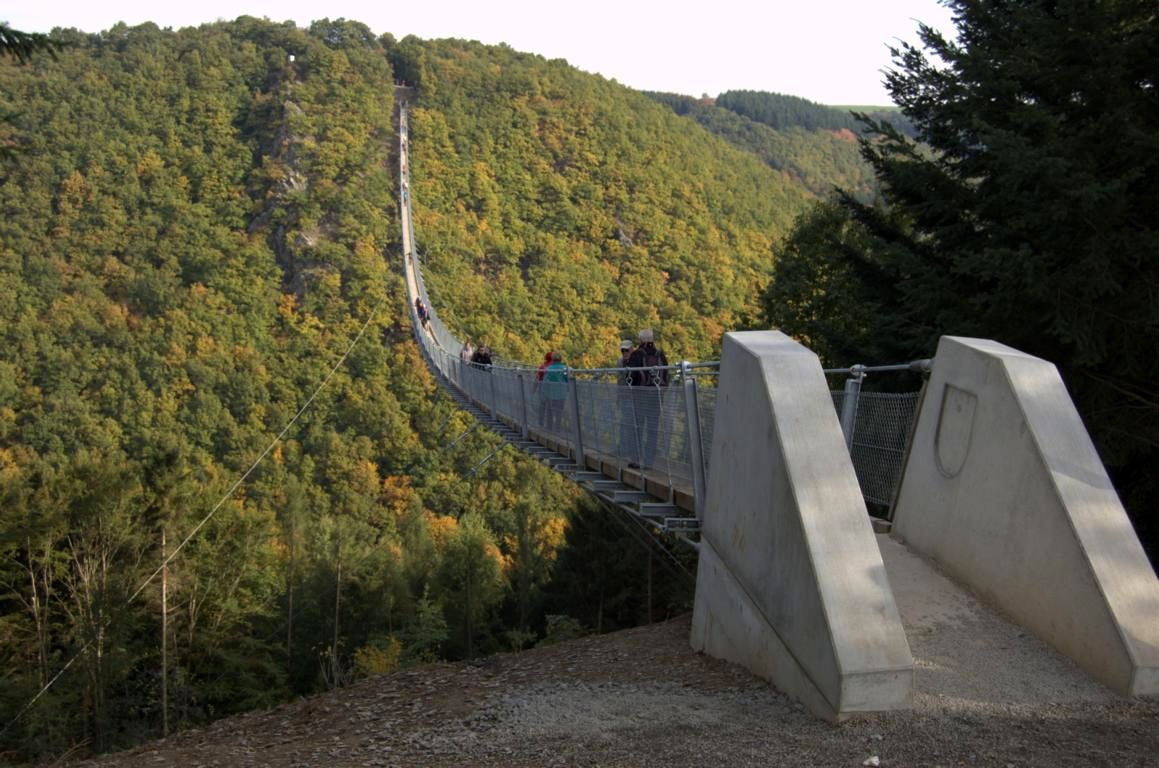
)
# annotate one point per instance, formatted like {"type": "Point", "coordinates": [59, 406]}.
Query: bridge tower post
{"type": "Point", "coordinates": [522, 405]}
{"type": "Point", "coordinates": [494, 397]}
{"type": "Point", "coordinates": [849, 402]}
{"type": "Point", "coordinates": [791, 583]}
{"type": "Point", "coordinates": [577, 431]}
{"type": "Point", "coordinates": [695, 445]}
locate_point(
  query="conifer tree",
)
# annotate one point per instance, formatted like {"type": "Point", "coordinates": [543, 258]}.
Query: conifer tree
{"type": "Point", "coordinates": [1026, 211]}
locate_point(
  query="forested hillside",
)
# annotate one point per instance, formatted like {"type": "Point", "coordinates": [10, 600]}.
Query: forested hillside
{"type": "Point", "coordinates": [197, 226]}
{"type": "Point", "coordinates": [561, 210]}
{"type": "Point", "coordinates": [820, 158]}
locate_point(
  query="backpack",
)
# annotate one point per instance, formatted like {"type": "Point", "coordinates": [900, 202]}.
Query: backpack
{"type": "Point", "coordinates": [651, 357]}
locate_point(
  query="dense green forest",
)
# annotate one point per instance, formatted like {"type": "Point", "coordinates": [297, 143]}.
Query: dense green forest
{"type": "Point", "coordinates": [819, 159]}
{"type": "Point", "coordinates": [781, 112]}
{"type": "Point", "coordinates": [197, 227]}
{"type": "Point", "coordinates": [784, 113]}
{"type": "Point", "coordinates": [561, 210]}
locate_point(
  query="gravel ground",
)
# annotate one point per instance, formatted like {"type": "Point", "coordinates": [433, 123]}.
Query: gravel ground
{"type": "Point", "coordinates": [642, 698]}
{"type": "Point", "coordinates": [967, 656]}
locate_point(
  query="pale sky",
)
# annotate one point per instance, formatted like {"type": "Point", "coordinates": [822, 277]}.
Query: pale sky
{"type": "Point", "coordinates": [828, 51]}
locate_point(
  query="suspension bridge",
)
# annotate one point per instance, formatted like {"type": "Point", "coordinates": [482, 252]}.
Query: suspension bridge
{"type": "Point", "coordinates": [985, 472]}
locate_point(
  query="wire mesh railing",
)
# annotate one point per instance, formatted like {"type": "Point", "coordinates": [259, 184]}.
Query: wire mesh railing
{"type": "Point", "coordinates": [880, 440]}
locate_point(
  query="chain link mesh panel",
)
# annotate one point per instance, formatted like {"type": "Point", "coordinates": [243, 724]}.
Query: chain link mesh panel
{"type": "Point", "coordinates": [880, 436]}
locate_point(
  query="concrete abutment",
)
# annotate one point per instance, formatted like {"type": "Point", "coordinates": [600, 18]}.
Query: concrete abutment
{"type": "Point", "coordinates": [791, 583]}
{"type": "Point", "coordinates": [1005, 492]}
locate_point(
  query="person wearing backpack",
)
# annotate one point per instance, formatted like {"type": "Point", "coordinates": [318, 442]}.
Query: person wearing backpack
{"type": "Point", "coordinates": [423, 313]}
{"type": "Point", "coordinates": [647, 395]}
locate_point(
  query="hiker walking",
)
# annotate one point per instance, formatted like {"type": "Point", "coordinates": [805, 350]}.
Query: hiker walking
{"type": "Point", "coordinates": [424, 315]}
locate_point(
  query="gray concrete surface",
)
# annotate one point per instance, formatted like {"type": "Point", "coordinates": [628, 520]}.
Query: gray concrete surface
{"type": "Point", "coordinates": [1005, 492]}
{"type": "Point", "coordinates": [791, 583]}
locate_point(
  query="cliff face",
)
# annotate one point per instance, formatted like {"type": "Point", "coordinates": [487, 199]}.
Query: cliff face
{"type": "Point", "coordinates": [639, 697]}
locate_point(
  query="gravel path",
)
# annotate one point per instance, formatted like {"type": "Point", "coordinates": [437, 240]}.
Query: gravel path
{"type": "Point", "coordinates": [968, 657]}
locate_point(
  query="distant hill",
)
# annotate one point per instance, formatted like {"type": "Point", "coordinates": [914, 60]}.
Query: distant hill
{"type": "Point", "coordinates": [783, 112]}
{"type": "Point", "coordinates": [819, 158]}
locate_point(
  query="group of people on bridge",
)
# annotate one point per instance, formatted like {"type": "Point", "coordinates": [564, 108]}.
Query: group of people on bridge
{"type": "Point", "coordinates": [479, 357]}
{"type": "Point", "coordinates": [641, 372]}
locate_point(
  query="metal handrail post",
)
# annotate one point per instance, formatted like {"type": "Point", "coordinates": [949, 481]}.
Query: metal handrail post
{"type": "Point", "coordinates": [849, 403]}
{"type": "Point", "coordinates": [575, 412]}
{"type": "Point", "coordinates": [522, 405]}
{"type": "Point", "coordinates": [695, 447]}
{"type": "Point", "coordinates": [909, 439]}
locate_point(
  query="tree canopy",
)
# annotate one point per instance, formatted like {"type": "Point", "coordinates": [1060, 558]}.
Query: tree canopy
{"type": "Point", "coordinates": [820, 159]}
{"type": "Point", "coordinates": [197, 226]}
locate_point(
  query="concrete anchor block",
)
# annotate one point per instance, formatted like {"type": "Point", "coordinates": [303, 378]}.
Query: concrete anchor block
{"type": "Point", "coordinates": [1004, 489]}
{"type": "Point", "coordinates": [791, 583]}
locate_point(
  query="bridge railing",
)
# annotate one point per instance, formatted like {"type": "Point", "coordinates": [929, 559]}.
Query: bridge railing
{"type": "Point", "coordinates": [667, 430]}
{"type": "Point", "coordinates": [877, 426]}
{"type": "Point", "coordinates": [631, 427]}
{"type": "Point", "coordinates": [884, 421]}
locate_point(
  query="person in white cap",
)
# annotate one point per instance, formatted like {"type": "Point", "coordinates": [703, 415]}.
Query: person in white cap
{"type": "Point", "coordinates": [647, 386]}
{"type": "Point", "coordinates": [626, 415]}
{"type": "Point", "coordinates": [625, 353]}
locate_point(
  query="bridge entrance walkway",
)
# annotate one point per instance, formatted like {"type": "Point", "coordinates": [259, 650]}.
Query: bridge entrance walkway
{"type": "Point", "coordinates": [967, 656]}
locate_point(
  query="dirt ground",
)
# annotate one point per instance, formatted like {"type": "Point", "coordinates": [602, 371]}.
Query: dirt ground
{"type": "Point", "coordinates": [642, 697]}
